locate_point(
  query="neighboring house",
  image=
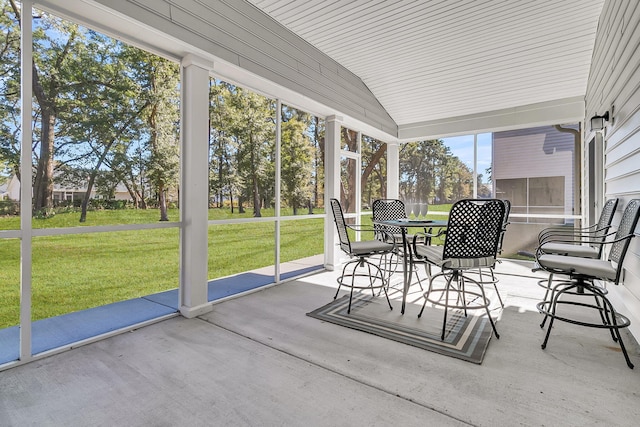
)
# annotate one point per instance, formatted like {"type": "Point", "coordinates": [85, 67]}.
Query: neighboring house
{"type": "Point", "coordinates": [60, 193]}
{"type": "Point", "coordinates": [12, 189]}
{"type": "Point", "coordinates": [534, 169]}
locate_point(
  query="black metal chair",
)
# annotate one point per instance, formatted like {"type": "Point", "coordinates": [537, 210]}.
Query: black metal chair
{"type": "Point", "coordinates": [584, 242]}
{"type": "Point", "coordinates": [471, 242]}
{"type": "Point", "coordinates": [392, 209]}
{"type": "Point", "coordinates": [493, 280]}
{"type": "Point", "coordinates": [361, 252]}
{"type": "Point", "coordinates": [587, 242]}
{"type": "Point", "coordinates": [583, 274]}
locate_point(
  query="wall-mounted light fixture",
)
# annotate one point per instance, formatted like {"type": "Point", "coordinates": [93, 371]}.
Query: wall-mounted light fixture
{"type": "Point", "coordinates": [598, 122]}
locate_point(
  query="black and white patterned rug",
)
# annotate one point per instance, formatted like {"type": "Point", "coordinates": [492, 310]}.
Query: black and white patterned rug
{"type": "Point", "coordinates": [465, 338]}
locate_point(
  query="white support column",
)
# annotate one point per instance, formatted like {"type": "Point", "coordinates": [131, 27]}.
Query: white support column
{"type": "Point", "coordinates": [26, 95]}
{"type": "Point", "coordinates": [393, 171]}
{"type": "Point", "coordinates": [194, 188]}
{"type": "Point", "coordinates": [475, 165]}
{"type": "Point", "coordinates": [331, 188]}
{"type": "Point", "coordinates": [278, 188]}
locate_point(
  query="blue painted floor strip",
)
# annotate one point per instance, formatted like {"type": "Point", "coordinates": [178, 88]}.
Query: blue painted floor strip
{"type": "Point", "coordinates": [59, 331]}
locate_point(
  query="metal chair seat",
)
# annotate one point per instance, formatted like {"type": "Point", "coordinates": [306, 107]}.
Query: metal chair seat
{"type": "Point", "coordinates": [570, 249]}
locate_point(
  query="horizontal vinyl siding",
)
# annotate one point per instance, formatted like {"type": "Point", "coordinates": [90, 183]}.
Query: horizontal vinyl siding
{"type": "Point", "coordinates": [240, 34]}
{"type": "Point", "coordinates": [614, 85]}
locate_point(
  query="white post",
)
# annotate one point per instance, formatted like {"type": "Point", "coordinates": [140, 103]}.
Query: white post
{"type": "Point", "coordinates": [26, 94]}
{"type": "Point", "coordinates": [393, 171]}
{"type": "Point", "coordinates": [278, 188]}
{"type": "Point", "coordinates": [194, 188]}
{"type": "Point", "coordinates": [475, 165]}
{"type": "Point", "coordinates": [331, 188]}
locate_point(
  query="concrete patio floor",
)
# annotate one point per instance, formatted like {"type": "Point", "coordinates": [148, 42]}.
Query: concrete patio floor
{"type": "Point", "coordinates": [258, 360]}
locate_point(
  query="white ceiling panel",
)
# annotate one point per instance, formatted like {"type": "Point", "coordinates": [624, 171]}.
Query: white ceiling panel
{"type": "Point", "coordinates": [431, 60]}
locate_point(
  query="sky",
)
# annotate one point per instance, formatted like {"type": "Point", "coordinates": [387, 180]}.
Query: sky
{"type": "Point", "coordinates": [462, 147]}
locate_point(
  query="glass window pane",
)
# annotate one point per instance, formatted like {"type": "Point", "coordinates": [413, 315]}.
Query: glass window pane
{"type": "Point", "coordinates": [239, 248]}
{"type": "Point", "coordinates": [374, 171]}
{"type": "Point", "coordinates": [485, 160]}
{"type": "Point", "coordinates": [348, 140]}
{"type": "Point", "coordinates": [430, 173]}
{"type": "Point", "coordinates": [302, 162]}
{"type": "Point", "coordinates": [242, 150]}
{"type": "Point", "coordinates": [301, 245]}
{"type": "Point", "coordinates": [109, 144]}
{"type": "Point", "coordinates": [9, 282]}
{"type": "Point", "coordinates": [534, 169]}
{"type": "Point", "coordinates": [9, 299]}
{"type": "Point", "coordinates": [81, 271]}
{"type": "Point", "coordinates": [348, 176]}
{"type": "Point", "coordinates": [10, 109]}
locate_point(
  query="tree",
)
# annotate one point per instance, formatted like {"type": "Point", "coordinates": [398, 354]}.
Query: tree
{"type": "Point", "coordinates": [56, 44]}
{"type": "Point", "coordinates": [373, 165]}
{"type": "Point", "coordinates": [158, 79]}
{"type": "Point", "coordinates": [104, 113]}
{"type": "Point", "coordinates": [348, 174]}
{"type": "Point", "coordinates": [296, 155]}
{"type": "Point", "coordinates": [221, 145]}
{"type": "Point", "coordinates": [252, 130]}
{"type": "Point", "coordinates": [10, 126]}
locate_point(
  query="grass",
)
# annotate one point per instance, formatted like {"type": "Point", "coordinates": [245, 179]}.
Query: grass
{"type": "Point", "coordinates": [80, 271]}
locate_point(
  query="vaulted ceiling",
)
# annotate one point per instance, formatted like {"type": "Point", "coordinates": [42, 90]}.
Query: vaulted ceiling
{"type": "Point", "coordinates": [432, 60]}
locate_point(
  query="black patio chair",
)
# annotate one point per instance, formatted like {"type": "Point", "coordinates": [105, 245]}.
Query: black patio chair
{"type": "Point", "coordinates": [586, 242]}
{"type": "Point", "coordinates": [392, 209]}
{"type": "Point", "coordinates": [493, 280]}
{"type": "Point", "coordinates": [471, 242]}
{"type": "Point", "coordinates": [583, 276]}
{"type": "Point", "coordinates": [361, 252]}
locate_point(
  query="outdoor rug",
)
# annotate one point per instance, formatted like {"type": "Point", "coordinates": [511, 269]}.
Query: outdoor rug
{"type": "Point", "coordinates": [466, 338]}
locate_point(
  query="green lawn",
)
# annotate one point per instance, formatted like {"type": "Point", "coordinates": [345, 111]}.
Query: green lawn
{"type": "Point", "coordinates": [75, 272]}
{"type": "Point", "coordinates": [80, 271]}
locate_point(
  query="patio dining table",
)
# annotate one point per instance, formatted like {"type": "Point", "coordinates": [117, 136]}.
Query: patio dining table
{"type": "Point", "coordinates": [407, 258]}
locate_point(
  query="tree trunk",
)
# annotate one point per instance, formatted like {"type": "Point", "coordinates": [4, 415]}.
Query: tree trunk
{"type": "Point", "coordinates": [162, 201]}
{"type": "Point", "coordinates": [87, 195]}
{"type": "Point", "coordinates": [375, 159]}
{"type": "Point", "coordinates": [256, 197]}
{"type": "Point", "coordinates": [43, 185]}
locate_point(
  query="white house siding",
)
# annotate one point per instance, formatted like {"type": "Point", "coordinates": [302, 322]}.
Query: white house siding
{"type": "Point", "coordinates": [242, 35]}
{"type": "Point", "coordinates": [614, 86]}
{"type": "Point", "coordinates": [535, 153]}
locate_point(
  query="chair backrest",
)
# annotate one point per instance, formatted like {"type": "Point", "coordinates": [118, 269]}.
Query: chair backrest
{"type": "Point", "coordinates": [474, 228]}
{"type": "Point", "coordinates": [338, 219]}
{"type": "Point", "coordinates": [604, 222]}
{"type": "Point", "coordinates": [625, 232]}
{"type": "Point", "coordinates": [505, 223]}
{"type": "Point", "coordinates": [388, 209]}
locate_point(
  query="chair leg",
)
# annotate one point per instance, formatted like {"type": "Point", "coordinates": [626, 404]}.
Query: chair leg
{"type": "Point", "coordinates": [550, 289]}
{"type": "Point", "coordinates": [340, 279]}
{"type": "Point", "coordinates": [485, 302]}
{"type": "Point", "coordinates": [386, 294]}
{"type": "Point", "coordinates": [350, 298]}
{"type": "Point", "coordinates": [555, 294]}
{"type": "Point", "coordinates": [446, 304]}
{"type": "Point", "coordinates": [426, 294]}
{"type": "Point", "coordinates": [495, 285]}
